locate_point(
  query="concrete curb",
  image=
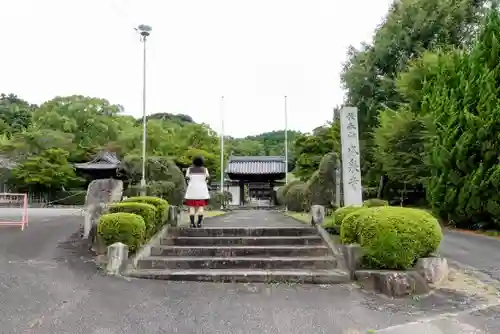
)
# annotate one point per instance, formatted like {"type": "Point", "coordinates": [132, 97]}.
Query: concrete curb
{"type": "Point", "coordinates": [145, 250]}
{"type": "Point", "coordinates": [341, 264]}
{"type": "Point", "coordinates": [336, 251]}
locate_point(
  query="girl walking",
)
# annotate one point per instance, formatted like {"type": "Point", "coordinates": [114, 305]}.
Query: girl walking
{"type": "Point", "coordinates": [197, 195]}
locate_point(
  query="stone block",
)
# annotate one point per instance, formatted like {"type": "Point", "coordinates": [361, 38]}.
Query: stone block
{"type": "Point", "coordinates": [393, 283]}
{"type": "Point", "coordinates": [117, 258]}
{"type": "Point", "coordinates": [433, 269]}
{"type": "Point", "coordinates": [352, 257]}
{"type": "Point", "coordinates": [317, 214]}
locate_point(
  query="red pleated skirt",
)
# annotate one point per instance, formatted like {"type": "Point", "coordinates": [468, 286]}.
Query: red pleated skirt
{"type": "Point", "coordinates": [196, 202]}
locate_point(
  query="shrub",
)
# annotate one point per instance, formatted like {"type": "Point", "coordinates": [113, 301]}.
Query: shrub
{"type": "Point", "coordinates": [375, 202]}
{"type": "Point", "coordinates": [127, 228]}
{"type": "Point", "coordinates": [349, 225]}
{"type": "Point", "coordinates": [169, 182]}
{"type": "Point", "coordinates": [296, 199]}
{"type": "Point", "coordinates": [216, 199]}
{"type": "Point", "coordinates": [283, 190]}
{"type": "Point", "coordinates": [146, 211]}
{"type": "Point", "coordinates": [341, 213]}
{"type": "Point", "coordinates": [329, 225]}
{"type": "Point", "coordinates": [160, 204]}
{"type": "Point", "coordinates": [395, 237]}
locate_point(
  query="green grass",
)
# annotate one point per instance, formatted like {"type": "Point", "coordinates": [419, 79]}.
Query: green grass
{"type": "Point", "coordinates": [302, 216]}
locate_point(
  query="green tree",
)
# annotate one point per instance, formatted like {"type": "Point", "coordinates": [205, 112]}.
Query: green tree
{"type": "Point", "coordinates": [309, 149]}
{"type": "Point", "coordinates": [464, 100]}
{"type": "Point", "coordinates": [91, 121]}
{"type": "Point", "coordinates": [49, 171]}
{"type": "Point", "coordinates": [410, 28]}
{"type": "Point", "coordinates": [401, 146]}
{"type": "Point", "coordinates": [15, 114]}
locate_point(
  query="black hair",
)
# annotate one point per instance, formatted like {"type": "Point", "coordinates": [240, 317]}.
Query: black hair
{"type": "Point", "coordinates": [198, 161]}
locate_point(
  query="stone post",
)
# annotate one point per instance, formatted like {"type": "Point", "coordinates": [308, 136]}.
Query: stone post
{"type": "Point", "coordinates": [173, 215]}
{"type": "Point", "coordinates": [317, 214]}
{"type": "Point", "coordinates": [117, 257]}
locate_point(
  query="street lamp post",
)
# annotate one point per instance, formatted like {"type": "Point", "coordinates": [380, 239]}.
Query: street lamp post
{"type": "Point", "coordinates": [144, 31]}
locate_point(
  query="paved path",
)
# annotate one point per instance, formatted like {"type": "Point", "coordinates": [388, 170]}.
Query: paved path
{"type": "Point", "coordinates": [49, 284]}
{"type": "Point", "coordinates": [253, 218]}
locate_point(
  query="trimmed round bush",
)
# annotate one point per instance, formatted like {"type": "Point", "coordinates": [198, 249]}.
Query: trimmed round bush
{"type": "Point", "coordinates": [375, 202]}
{"type": "Point", "coordinates": [341, 213]}
{"type": "Point", "coordinates": [127, 228]}
{"type": "Point", "coordinates": [160, 204]}
{"type": "Point", "coordinates": [395, 237]}
{"type": "Point", "coordinates": [349, 225]}
{"type": "Point", "coordinates": [146, 211]}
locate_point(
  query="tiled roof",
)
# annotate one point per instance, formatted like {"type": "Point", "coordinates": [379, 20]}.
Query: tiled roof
{"type": "Point", "coordinates": [106, 160]}
{"type": "Point", "coordinates": [259, 165]}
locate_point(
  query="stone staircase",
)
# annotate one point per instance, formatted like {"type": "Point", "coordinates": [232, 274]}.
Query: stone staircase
{"type": "Point", "coordinates": [241, 254]}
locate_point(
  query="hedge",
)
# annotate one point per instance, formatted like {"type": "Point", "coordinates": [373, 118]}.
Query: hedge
{"type": "Point", "coordinates": [160, 204]}
{"type": "Point", "coordinates": [127, 228]}
{"type": "Point", "coordinates": [146, 211]}
{"type": "Point", "coordinates": [394, 237]}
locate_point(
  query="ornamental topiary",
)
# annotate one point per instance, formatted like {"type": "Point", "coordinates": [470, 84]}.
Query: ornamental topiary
{"type": "Point", "coordinates": [160, 204]}
{"type": "Point", "coordinates": [283, 190]}
{"type": "Point", "coordinates": [296, 199]}
{"type": "Point", "coordinates": [375, 202]}
{"type": "Point", "coordinates": [126, 228]}
{"type": "Point", "coordinates": [395, 237]}
{"type": "Point", "coordinates": [146, 211]}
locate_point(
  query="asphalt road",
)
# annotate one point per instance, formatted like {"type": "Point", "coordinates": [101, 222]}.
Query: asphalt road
{"type": "Point", "coordinates": [476, 252]}
{"type": "Point", "coordinates": [49, 284]}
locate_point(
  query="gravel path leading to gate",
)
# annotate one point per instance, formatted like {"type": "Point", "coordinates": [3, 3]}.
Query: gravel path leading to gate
{"type": "Point", "coordinates": [49, 284]}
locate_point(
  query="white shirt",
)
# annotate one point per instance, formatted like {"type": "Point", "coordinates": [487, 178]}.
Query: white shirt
{"type": "Point", "coordinates": [197, 186]}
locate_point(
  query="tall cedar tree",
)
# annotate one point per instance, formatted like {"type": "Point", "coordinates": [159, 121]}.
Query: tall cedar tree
{"type": "Point", "coordinates": [464, 99]}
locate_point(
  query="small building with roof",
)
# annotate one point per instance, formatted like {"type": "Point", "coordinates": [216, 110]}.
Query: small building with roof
{"type": "Point", "coordinates": [104, 166]}
{"type": "Point", "coordinates": [256, 177]}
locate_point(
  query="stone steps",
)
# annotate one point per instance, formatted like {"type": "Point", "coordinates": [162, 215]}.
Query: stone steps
{"type": "Point", "coordinates": [240, 254]}
{"type": "Point", "coordinates": [236, 262]}
{"type": "Point", "coordinates": [317, 276]}
{"type": "Point", "coordinates": [246, 231]}
{"type": "Point", "coordinates": [243, 240]}
{"type": "Point", "coordinates": [225, 251]}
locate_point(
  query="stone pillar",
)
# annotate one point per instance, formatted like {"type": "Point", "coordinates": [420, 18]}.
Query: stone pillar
{"type": "Point", "coordinates": [351, 169]}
